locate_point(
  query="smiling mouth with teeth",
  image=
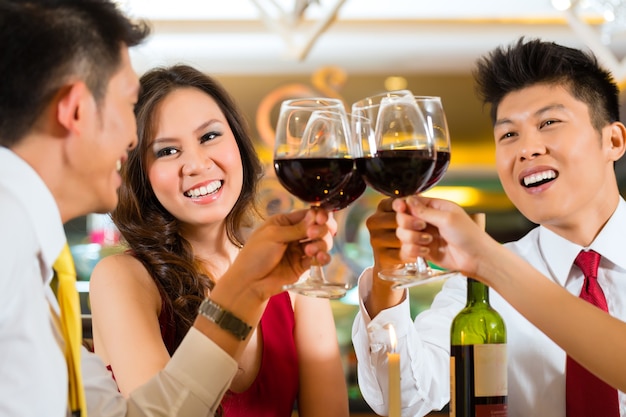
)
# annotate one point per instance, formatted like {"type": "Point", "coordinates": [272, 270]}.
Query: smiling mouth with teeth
{"type": "Point", "coordinates": [210, 188]}
{"type": "Point", "coordinates": [538, 178]}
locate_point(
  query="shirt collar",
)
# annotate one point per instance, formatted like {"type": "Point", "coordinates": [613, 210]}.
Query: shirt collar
{"type": "Point", "coordinates": [611, 241]}
{"type": "Point", "coordinates": [559, 253]}
{"type": "Point", "coordinates": [41, 207]}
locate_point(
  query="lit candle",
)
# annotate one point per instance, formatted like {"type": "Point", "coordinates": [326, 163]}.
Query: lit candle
{"type": "Point", "coordinates": [393, 359]}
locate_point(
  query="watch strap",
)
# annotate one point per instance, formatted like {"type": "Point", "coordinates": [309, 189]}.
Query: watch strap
{"type": "Point", "coordinates": [225, 319]}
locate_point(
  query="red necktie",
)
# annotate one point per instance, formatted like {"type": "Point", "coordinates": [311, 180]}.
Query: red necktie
{"type": "Point", "coordinates": [586, 394]}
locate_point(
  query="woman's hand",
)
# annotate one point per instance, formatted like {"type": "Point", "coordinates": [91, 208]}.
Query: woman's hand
{"type": "Point", "coordinates": [280, 250]}
{"type": "Point", "coordinates": [276, 254]}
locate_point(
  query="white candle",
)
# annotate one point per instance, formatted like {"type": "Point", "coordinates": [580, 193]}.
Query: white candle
{"type": "Point", "coordinates": [393, 359]}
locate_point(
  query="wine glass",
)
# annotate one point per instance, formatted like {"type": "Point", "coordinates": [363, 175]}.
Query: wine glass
{"type": "Point", "coordinates": [398, 159]}
{"type": "Point", "coordinates": [312, 162]}
{"type": "Point", "coordinates": [435, 116]}
{"type": "Point", "coordinates": [433, 112]}
{"type": "Point", "coordinates": [354, 186]}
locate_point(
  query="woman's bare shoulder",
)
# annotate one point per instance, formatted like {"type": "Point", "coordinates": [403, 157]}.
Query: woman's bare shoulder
{"type": "Point", "coordinates": [123, 272]}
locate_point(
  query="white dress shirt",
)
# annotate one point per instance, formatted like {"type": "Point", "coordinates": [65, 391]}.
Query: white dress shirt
{"type": "Point", "coordinates": [536, 365]}
{"type": "Point", "coordinates": [33, 373]}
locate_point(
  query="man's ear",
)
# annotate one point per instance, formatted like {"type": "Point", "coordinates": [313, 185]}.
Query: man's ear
{"type": "Point", "coordinates": [75, 102]}
{"type": "Point", "coordinates": [618, 140]}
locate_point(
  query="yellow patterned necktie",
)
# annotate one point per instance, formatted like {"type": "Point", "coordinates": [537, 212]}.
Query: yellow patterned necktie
{"type": "Point", "coordinates": [71, 326]}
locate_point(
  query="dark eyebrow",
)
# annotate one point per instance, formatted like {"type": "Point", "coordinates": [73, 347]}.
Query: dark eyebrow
{"type": "Point", "coordinates": [204, 125]}
{"type": "Point", "coordinates": [157, 141]}
{"type": "Point", "coordinates": [198, 129]}
{"type": "Point", "coordinates": [539, 112]}
{"type": "Point", "coordinates": [500, 122]}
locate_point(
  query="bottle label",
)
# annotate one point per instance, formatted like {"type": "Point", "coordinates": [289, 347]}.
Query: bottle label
{"type": "Point", "coordinates": [490, 370]}
{"type": "Point", "coordinates": [478, 380]}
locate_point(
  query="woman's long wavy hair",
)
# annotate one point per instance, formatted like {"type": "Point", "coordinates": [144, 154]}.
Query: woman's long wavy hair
{"type": "Point", "coordinates": [151, 232]}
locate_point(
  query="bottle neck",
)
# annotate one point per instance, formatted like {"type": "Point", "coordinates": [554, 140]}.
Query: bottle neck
{"type": "Point", "coordinates": [477, 292]}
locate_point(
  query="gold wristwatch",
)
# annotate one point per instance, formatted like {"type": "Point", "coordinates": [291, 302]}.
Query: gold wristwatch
{"type": "Point", "coordinates": [225, 319]}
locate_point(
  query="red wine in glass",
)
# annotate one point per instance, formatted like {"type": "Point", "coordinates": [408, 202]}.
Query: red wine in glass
{"type": "Point", "coordinates": [312, 161]}
{"type": "Point", "coordinates": [435, 116]}
{"type": "Point", "coordinates": [396, 155]}
{"type": "Point", "coordinates": [313, 179]}
{"type": "Point", "coordinates": [397, 173]}
{"type": "Point", "coordinates": [352, 189]}
{"type": "Point", "coordinates": [441, 166]}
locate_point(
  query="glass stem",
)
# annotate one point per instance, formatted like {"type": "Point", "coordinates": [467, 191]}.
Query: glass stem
{"type": "Point", "coordinates": [418, 267]}
{"type": "Point", "coordinates": [421, 266]}
{"type": "Point", "coordinates": [316, 273]}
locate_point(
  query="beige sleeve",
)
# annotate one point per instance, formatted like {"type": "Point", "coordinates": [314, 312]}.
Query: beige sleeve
{"type": "Point", "coordinates": [192, 384]}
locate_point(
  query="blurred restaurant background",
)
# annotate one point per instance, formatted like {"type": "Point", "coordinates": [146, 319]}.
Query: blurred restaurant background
{"type": "Point", "coordinates": [266, 51]}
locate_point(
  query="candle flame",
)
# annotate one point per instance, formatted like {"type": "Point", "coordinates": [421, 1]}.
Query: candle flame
{"type": "Point", "coordinates": [392, 337]}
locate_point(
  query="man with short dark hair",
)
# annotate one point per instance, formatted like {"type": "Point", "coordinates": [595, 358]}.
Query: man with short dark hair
{"type": "Point", "coordinates": [67, 93]}
{"type": "Point", "coordinates": [557, 136]}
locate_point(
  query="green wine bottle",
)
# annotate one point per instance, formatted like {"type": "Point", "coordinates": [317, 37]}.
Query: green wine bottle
{"type": "Point", "coordinates": [478, 368]}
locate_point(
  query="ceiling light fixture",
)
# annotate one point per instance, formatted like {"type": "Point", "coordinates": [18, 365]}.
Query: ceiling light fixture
{"type": "Point", "coordinates": [611, 15]}
{"type": "Point", "coordinates": [298, 29]}
{"type": "Point", "coordinates": [612, 12]}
